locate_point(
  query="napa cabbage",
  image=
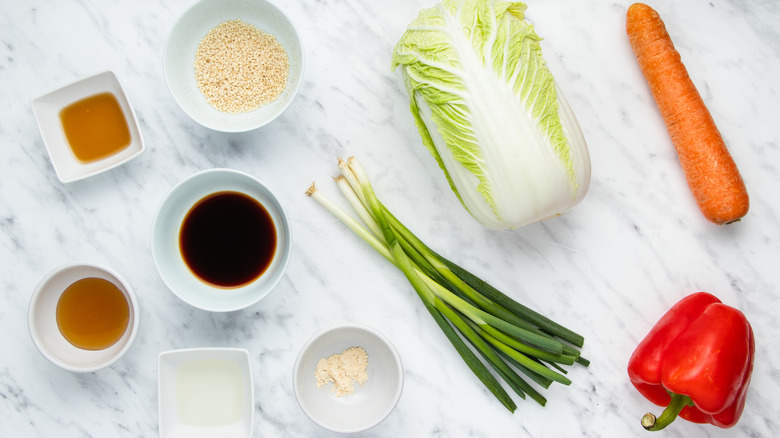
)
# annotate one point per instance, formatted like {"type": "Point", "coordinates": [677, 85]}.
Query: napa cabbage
{"type": "Point", "coordinates": [489, 111]}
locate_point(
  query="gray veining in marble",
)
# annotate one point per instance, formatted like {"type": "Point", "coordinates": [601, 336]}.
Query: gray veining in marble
{"type": "Point", "coordinates": [609, 268]}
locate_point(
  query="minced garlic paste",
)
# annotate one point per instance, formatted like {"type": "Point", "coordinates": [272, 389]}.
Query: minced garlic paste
{"type": "Point", "coordinates": [342, 369]}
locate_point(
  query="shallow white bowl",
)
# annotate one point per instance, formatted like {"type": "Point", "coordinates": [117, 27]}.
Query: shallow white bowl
{"type": "Point", "coordinates": [219, 401]}
{"type": "Point", "coordinates": [42, 319]}
{"type": "Point", "coordinates": [179, 58]}
{"type": "Point", "coordinates": [47, 109]}
{"type": "Point", "coordinates": [165, 241]}
{"type": "Point", "coordinates": [371, 402]}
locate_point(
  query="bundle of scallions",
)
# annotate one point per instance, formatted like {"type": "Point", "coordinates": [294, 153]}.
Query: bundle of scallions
{"type": "Point", "coordinates": [510, 337]}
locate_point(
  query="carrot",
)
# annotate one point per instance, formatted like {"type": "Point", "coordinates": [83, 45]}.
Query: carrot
{"type": "Point", "coordinates": [712, 175]}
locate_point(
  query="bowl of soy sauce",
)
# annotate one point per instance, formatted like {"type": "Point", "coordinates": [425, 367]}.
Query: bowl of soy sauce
{"type": "Point", "coordinates": [221, 240]}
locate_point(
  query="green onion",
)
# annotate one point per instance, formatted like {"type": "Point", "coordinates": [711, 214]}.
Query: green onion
{"type": "Point", "coordinates": [474, 316]}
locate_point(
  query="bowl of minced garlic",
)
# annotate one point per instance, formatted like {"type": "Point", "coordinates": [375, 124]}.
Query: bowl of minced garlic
{"type": "Point", "coordinates": [348, 378]}
{"type": "Point", "coordinates": [233, 65]}
{"type": "Point", "coordinates": [342, 369]}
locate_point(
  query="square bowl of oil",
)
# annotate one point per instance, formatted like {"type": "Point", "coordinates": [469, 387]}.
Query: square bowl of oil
{"type": "Point", "coordinates": [83, 317]}
{"type": "Point", "coordinates": [205, 392]}
{"type": "Point", "coordinates": [88, 127]}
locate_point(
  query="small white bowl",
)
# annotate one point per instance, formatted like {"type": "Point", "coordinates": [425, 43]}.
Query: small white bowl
{"type": "Point", "coordinates": [42, 320]}
{"type": "Point", "coordinates": [47, 109]}
{"type": "Point", "coordinates": [170, 262]}
{"type": "Point", "coordinates": [205, 392]}
{"type": "Point", "coordinates": [371, 402]}
{"type": "Point", "coordinates": [179, 58]}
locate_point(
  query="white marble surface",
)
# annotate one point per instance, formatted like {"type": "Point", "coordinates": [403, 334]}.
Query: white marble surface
{"type": "Point", "coordinates": [608, 269]}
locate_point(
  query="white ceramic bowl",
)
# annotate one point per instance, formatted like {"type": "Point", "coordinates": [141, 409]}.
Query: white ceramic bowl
{"type": "Point", "coordinates": [42, 319]}
{"type": "Point", "coordinates": [205, 392]}
{"type": "Point", "coordinates": [47, 109]}
{"type": "Point", "coordinates": [167, 254]}
{"type": "Point", "coordinates": [179, 58]}
{"type": "Point", "coordinates": [371, 402]}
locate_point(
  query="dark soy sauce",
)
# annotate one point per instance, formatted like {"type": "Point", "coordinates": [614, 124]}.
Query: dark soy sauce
{"type": "Point", "coordinates": [228, 239]}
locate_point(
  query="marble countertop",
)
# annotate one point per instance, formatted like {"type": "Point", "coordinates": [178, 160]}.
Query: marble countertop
{"type": "Point", "coordinates": [608, 269]}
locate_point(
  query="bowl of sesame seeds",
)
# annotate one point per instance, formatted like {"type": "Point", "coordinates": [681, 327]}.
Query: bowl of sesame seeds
{"type": "Point", "coordinates": [233, 65]}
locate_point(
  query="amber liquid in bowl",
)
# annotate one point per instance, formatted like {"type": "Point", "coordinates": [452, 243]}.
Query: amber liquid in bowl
{"type": "Point", "coordinates": [93, 314]}
{"type": "Point", "coordinates": [95, 127]}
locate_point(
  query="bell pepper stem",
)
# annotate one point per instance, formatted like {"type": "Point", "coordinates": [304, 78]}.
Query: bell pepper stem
{"type": "Point", "coordinates": [678, 402]}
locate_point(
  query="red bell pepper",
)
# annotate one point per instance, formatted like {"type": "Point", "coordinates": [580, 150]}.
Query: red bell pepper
{"type": "Point", "coordinates": [697, 361]}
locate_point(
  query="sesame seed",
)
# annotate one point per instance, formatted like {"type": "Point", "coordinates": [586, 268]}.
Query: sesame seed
{"type": "Point", "coordinates": [240, 68]}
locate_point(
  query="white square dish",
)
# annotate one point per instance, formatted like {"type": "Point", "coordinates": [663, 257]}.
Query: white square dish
{"type": "Point", "coordinates": [205, 392]}
{"type": "Point", "coordinates": [47, 110]}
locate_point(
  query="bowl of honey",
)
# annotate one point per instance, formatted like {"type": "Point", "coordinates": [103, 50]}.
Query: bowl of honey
{"type": "Point", "coordinates": [88, 127]}
{"type": "Point", "coordinates": [221, 240]}
{"type": "Point", "coordinates": [83, 317]}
